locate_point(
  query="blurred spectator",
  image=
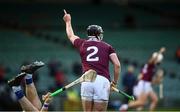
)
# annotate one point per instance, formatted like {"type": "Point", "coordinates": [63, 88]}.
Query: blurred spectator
{"type": "Point", "coordinates": [73, 101]}
{"type": "Point", "coordinates": [55, 70]}
{"type": "Point", "coordinates": [128, 81]}
{"type": "Point", "coordinates": [53, 66]}
{"type": "Point", "coordinates": [59, 78]}
{"type": "Point", "coordinates": [60, 81]}
{"type": "Point", "coordinates": [178, 54]}
{"type": "Point", "coordinates": [77, 68]}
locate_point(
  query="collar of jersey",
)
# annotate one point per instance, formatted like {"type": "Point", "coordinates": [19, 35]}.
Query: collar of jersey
{"type": "Point", "coordinates": [93, 39]}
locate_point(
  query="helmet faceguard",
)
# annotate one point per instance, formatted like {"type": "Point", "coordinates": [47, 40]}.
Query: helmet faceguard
{"type": "Point", "coordinates": [95, 31]}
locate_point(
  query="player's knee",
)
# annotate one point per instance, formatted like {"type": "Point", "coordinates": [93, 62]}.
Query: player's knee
{"type": "Point", "coordinates": [155, 100]}
{"type": "Point", "coordinates": [142, 103]}
{"type": "Point", "coordinates": [98, 108]}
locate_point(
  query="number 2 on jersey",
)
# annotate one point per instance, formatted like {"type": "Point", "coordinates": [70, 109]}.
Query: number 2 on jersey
{"type": "Point", "coordinates": [90, 56]}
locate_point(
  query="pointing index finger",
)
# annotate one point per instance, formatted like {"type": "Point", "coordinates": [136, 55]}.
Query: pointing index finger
{"type": "Point", "coordinates": [65, 11]}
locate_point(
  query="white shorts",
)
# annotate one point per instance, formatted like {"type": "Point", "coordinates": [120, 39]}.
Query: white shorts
{"type": "Point", "coordinates": [97, 91]}
{"type": "Point", "coordinates": [142, 86]}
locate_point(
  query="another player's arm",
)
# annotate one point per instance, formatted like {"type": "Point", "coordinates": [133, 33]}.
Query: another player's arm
{"type": "Point", "coordinates": [153, 60]}
{"type": "Point", "coordinates": [117, 66]}
{"type": "Point", "coordinates": [158, 78]}
{"type": "Point", "coordinates": [69, 30]}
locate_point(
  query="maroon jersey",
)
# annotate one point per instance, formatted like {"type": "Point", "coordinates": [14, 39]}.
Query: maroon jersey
{"type": "Point", "coordinates": [94, 55]}
{"type": "Point", "coordinates": [148, 72]}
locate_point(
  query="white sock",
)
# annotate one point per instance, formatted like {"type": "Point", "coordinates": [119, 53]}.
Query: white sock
{"type": "Point", "coordinates": [29, 79]}
{"type": "Point", "coordinates": [124, 107]}
{"type": "Point", "coordinates": [18, 92]}
{"type": "Point", "coordinates": [28, 76]}
{"type": "Point", "coordinates": [16, 88]}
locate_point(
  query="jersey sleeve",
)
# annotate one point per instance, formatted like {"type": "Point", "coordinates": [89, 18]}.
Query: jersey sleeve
{"type": "Point", "coordinates": [111, 50]}
{"type": "Point", "coordinates": [78, 42]}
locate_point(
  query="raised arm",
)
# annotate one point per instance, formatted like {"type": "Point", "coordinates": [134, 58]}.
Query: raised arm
{"type": "Point", "coordinates": [158, 78]}
{"type": "Point", "coordinates": [154, 59]}
{"type": "Point", "coordinates": [69, 30]}
{"type": "Point", "coordinates": [117, 67]}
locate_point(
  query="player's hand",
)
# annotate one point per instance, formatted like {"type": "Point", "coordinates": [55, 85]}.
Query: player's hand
{"type": "Point", "coordinates": [47, 98]}
{"type": "Point", "coordinates": [113, 84]}
{"type": "Point", "coordinates": [162, 50]}
{"type": "Point", "coordinates": [67, 17]}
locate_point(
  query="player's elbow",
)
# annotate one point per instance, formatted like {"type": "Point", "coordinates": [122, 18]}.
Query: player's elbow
{"type": "Point", "coordinates": [70, 36]}
{"type": "Point", "coordinates": [117, 65]}
{"type": "Point", "coordinates": [115, 61]}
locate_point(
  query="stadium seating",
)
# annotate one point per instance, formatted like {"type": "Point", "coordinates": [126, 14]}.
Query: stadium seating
{"type": "Point", "coordinates": [51, 14]}
{"type": "Point", "coordinates": [17, 47]}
